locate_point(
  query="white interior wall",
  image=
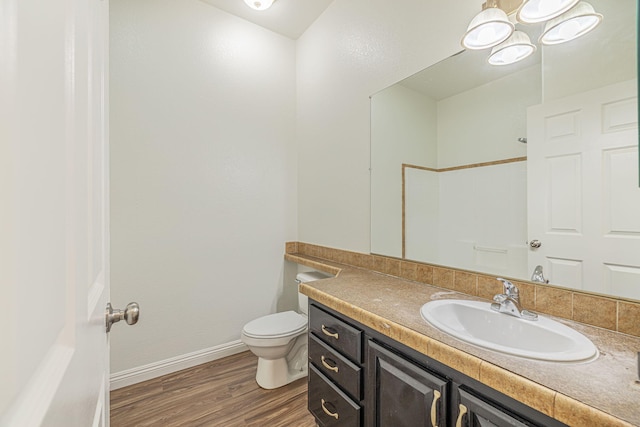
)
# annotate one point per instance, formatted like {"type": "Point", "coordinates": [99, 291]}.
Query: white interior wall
{"type": "Point", "coordinates": [355, 49]}
{"type": "Point", "coordinates": [203, 168]}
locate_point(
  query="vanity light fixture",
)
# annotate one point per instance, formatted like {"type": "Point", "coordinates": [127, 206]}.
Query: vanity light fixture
{"type": "Point", "coordinates": [571, 25]}
{"type": "Point", "coordinates": [488, 28]}
{"type": "Point", "coordinates": [514, 49]}
{"type": "Point", "coordinates": [494, 26]}
{"type": "Point", "coordinates": [259, 4]}
{"type": "Point", "coordinates": [535, 11]}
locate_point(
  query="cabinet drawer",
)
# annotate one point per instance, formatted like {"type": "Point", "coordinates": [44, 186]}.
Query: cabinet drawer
{"type": "Point", "coordinates": [329, 405]}
{"type": "Point", "coordinates": [335, 367]}
{"type": "Point", "coordinates": [338, 334]}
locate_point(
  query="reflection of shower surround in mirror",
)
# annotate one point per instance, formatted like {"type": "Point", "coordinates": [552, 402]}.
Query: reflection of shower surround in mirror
{"type": "Point", "coordinates": [423, 121]}
{"type": "Point", "coordinates": [462, 210]}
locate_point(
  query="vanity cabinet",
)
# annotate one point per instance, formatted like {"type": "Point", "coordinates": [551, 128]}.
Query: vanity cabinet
{"type": "Point", "coordinates": [370, 380]}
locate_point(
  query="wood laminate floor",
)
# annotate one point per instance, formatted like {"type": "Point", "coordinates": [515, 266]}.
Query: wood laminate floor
{"type": "Point", "coordinates": [219, 393]}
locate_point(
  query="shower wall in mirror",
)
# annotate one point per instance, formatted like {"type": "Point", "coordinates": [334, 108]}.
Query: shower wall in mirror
{"type": "Point", "coordinates": [471, 162]}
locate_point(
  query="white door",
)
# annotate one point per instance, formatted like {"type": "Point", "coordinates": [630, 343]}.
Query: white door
{"type": "Point", "coordinates": [583, 195]}
{"type": "Point", "coordinates": [54, 244]}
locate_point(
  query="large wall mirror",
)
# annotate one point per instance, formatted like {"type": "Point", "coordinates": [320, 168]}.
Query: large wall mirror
{"type": "Point", "coordinates": [500, 169]}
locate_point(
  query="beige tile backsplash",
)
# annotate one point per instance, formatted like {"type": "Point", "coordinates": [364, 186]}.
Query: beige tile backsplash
{"type": "Point", "coordinates": [443, 277]}
{"type": "Point", "coordinates": [629, 318]}
{"type": "Point", "coordinates": [553, 301]}
{"type": "Point", "coordinates": [605, 312]}
{"type": "Point", "coordinates": [596, 311]}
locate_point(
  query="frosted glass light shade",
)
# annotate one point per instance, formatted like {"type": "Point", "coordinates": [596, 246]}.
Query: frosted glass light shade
{"type": "Point", "coordinates": [487, 29]}
{"type": "Point", "coordinates": [259, 4]}
{"type": "Point", "coordinates": [514, 49]}
{"type": "Point", "coordinates": [571, 25]}
{"type": "Point", "coordinates": [534, 11]}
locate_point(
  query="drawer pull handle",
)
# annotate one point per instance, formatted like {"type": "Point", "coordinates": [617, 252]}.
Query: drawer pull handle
{"type": "Point", "coordinates": [328, 332]}
{"type": "Point", "coordinates": [333, 368]}
{"type": "Point", "coordinates": [326, 411]}
{"type": "Point", "coordinates": [434, 407]}
{"type": "Point", "coordinates": [463, 410]}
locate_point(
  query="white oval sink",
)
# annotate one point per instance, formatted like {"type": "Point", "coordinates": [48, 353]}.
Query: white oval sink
{"type": "Point", "coordinates": [476, 323]}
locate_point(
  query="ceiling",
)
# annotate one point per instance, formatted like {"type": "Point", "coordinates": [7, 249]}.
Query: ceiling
{"type": "Point", "coordinates": [452, 75]}
{"type": "Point", "coordinates": [287, 17]}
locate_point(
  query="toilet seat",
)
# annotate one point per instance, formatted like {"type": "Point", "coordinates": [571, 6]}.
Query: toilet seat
{"type": "Point", "coordinates": [278, 325]}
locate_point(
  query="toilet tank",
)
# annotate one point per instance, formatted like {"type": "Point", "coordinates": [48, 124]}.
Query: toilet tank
{"type": "Point", "coordinates": [308, 276]}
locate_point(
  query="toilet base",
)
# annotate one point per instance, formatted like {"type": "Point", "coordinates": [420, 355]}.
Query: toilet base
{"type": "Point", "coordinates": [275, 373]}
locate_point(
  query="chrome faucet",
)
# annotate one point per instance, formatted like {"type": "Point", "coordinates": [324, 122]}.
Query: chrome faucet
{"type": "Point", "coordinates": [538, 276]}
{"type": "Point", "coordinates": [508, 302]}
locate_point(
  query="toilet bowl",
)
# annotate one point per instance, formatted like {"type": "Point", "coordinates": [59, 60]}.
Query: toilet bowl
{"type": "Point", "coordinates": [280, 341]}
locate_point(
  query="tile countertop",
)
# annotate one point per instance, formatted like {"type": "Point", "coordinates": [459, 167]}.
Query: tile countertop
{"type": "Point", "coordinates": [604, 392]}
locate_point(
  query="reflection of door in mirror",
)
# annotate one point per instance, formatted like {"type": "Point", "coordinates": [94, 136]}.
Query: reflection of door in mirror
{"type": "Point", "coordinates": [590, 239]}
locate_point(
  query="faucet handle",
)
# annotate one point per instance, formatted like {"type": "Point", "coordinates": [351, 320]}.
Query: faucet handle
{"type": "Point", "coordinates": [510, 289]}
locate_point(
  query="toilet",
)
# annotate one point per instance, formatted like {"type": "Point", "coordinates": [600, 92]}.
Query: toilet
{"type": "Point", "coordinates": [280, 341]}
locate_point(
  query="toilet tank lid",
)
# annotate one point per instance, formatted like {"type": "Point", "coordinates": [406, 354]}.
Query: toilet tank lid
{"type": "Point", "coordinates": [310, 276]}
{"type": "Point", "coordinates": [276, 325]}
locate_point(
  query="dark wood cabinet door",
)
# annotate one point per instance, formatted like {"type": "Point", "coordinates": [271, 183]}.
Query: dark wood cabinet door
{"type": "Point", "coordinates": [403, 394]}
{"type": "Point", "coordinates": [476, 412]}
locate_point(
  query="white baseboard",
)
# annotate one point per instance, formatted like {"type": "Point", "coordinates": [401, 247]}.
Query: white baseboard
{"type": "Point", "coordinates": [174, 364]}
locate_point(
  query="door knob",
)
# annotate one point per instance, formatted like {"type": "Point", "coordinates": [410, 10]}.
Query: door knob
{"type": "Point", "coordinates": [130, 314]}
{"type": "Point", "coordinates": [535, 244]}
